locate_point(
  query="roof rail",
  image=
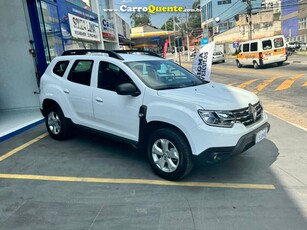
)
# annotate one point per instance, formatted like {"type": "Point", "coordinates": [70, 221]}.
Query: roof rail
{"type": "Point", "coordinates": [86, 51]}
{"type": "Point", "coordinates": [146, 52]}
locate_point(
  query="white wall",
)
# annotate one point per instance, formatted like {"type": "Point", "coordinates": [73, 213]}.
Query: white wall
{"type": "Point", "coordinates": [17, 74]}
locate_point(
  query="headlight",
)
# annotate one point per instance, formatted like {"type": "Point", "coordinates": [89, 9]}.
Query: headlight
{"type": "Point", "coordinates": [217, 118]}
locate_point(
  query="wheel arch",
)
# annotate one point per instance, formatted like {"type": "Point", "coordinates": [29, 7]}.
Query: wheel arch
{"type": "Point", "coordinates": [152, 126]}
{"type": "Point", "coordinates": [47, 103]}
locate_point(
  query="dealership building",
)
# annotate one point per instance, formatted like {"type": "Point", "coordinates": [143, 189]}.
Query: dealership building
{"type": "Point", "coordinates": [33, 32]}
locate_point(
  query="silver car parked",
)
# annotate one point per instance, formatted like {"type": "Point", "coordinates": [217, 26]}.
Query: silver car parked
{"type": "Point", "coordinates": [218, 56]}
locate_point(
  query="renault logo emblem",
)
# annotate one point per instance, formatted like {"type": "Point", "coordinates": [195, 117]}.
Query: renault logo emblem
{"type": "Point", "coordinates": [252, 112]}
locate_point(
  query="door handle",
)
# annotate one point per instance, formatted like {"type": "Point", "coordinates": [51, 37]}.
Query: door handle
{"type": "Point", "coordinates": [66, 91]}
{"type": "Point", "coordinates": [99, 99]}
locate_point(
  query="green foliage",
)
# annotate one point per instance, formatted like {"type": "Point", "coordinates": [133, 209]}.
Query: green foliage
{"type": "Point", "coordinates": [140, 19]}
{"type": "Point", "coordinates": [169, 24]}
{"type": "Point", "coordinates": [194, 20]}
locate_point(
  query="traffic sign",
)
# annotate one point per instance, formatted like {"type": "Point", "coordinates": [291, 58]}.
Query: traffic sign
{"type": "Point", "coordinates": [204, 41]}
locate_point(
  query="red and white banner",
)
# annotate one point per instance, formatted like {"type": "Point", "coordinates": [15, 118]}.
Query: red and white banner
{"type": "Point", "coordinates": [165, 48]}
{"type": "Point", "coordinates": [203, 62]}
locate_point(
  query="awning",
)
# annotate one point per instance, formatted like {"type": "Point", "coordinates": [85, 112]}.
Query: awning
{"type": "Point", "coordinates": [125, 41]}
{"type": "Point", "coordinates": [152, 34]}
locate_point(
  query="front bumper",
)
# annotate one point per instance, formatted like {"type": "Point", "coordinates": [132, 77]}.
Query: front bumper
{"type": "Point", "coordinates": [244, 143]}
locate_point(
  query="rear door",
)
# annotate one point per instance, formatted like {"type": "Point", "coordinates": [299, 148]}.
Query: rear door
{"type": "Point", "coordinates": [78, 92]}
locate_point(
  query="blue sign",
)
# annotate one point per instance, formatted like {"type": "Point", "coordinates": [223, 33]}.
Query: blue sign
{"type": "Point", "coordinates": [204, 41]}
{"type": "Point", "coordinates": [235, 44]}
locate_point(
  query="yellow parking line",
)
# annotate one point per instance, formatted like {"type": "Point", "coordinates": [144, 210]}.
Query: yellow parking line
{"type": "Point", "coordinates": [231, 84]}
{"type": "Point", "coordinates": [305, 84]}
{"type": "Point", "coordinates": [21, 147]}
{"type": "Point", "coordinates": [136, 181]}
{"type": "Point", "coordinates": [243, 85]}
{"type": "Point", "coordinates": [288, 83]}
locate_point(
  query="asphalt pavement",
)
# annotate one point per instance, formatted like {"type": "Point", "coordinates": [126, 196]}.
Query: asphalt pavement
{"type": "Point", "coordinates": [89, 182]}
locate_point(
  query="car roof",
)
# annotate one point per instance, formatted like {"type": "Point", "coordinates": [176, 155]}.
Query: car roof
{"type": "Point", "coordinates": [125, 57]}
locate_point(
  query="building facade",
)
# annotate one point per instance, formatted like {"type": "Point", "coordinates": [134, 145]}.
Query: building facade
{"type": "Point", "coordinates": [289, 17]}
{"type": "Point", "coordinates": [302, 21]}
{"type": "Point", "coordinates": [33, 32]}
{"type": "Point", "coordinates": [225, 11]}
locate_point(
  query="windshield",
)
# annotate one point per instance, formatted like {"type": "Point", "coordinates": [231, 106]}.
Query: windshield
{"type": "Point", "coordinates": [164, 74]}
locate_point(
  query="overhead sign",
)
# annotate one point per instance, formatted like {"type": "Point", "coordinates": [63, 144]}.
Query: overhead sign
{"type": "Point", "coordinates": [235, 44]}
{"type": "Point", "coordinates": [204, 41]}
{"type": "Point", "coordinates": [83, 29]}
{"type": "Point", "coordinates": [108, 30]}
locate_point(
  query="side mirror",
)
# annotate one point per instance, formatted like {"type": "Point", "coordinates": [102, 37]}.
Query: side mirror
{"type": "Point", "coordinates": [127, 89]}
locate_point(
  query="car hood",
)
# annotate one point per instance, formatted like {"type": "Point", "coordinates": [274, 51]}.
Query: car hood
{"type": "Point", "coordinates": [212, 96]}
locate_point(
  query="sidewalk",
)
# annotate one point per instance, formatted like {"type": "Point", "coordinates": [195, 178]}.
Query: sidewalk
{"type": "Point", "coordinates": [14, 122]}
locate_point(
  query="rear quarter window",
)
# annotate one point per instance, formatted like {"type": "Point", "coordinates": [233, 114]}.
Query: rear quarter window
{"type": "Point", "coordinates": [60, 67]}
{"type": "Point", "coordinates": [267, 44]}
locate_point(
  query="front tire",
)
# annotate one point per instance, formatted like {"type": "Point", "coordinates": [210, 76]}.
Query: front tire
{"type": "Point", "coordinates": [169, 154]}
{"type": "Point", "coordinates": [56, 123]}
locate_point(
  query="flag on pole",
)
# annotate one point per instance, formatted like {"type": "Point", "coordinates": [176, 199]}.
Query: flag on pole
{"type": "Point", "coordinates": [165, 48]}
{"type": "Point", "coordinates": [203, 61]}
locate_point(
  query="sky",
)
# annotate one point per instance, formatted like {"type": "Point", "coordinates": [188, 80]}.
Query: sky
{"type": "Point", "coordinates": [157, 19]}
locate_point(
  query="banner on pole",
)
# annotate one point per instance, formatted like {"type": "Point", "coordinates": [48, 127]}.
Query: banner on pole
{"type": "Point", "coordinates": [203, 62]}
{"type": "Point", "coordinates": [165, 48]}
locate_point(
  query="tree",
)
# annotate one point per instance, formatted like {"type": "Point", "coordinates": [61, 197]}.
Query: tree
{"type": "Point", "coordinates": [195, 17]}
{"type": "Point", "coordinates": [169, 24]}
{"type": "Point", "coordinates": [140, 19]}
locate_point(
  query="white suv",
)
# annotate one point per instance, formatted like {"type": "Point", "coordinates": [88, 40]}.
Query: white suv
{"type": "Point", "coordinates": [152, 103]}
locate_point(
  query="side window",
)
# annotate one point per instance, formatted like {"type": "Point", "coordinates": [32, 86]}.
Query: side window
{"type": "Point", "coordinates": [246, 47]}
{"type": "Point", "coordinates": [110, 76]}
{"type": "Point", "coordinates": [278, 42]}
{"type": "Point", "coordinates": [254, 46]}
{"type": "Point", "coordinates": [267, 44]}
{"type": "Point", "coordinates": [81, 72]}
{"type": "Point", "coordinates": [60, 67]}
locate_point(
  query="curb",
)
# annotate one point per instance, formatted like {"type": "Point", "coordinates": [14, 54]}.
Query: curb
{"type": "Point", "coordinates": [21, 130]}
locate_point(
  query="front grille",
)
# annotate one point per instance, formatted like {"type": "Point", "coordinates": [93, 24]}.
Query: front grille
{"type": "Point", "coordinates": [245, 117]}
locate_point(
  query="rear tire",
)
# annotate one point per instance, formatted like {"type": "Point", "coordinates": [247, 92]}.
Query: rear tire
{"type": "Point", "coordinates": [239, 65]}
{"type": "Point", "coordinates": [56, 123]}
{"type": "Point", "coordinates": [280, 63]}
{"type": "Point", "coordinates": [169, 154]}
{"type": "Point", "coordinates": [255, 64]}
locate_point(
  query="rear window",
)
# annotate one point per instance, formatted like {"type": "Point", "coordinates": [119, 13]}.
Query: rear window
{"type": "Point", "coordinates": [60, 67]}
{"type": "Point", "coordinates": [81, 72]}
{"type": "Point", "coordinates": [278, 42]}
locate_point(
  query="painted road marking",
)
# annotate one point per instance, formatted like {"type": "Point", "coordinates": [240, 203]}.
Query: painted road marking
{"type": "Point", "coordinates": [265, 83]}
{"type": "Point", "coordinates": [231, 84]}
{"type": "Point", "coordinates": [244, 84]}
{"type": "Point", "coordinates": [288, 83]}
{"type": "Point", "coordinates": [21, 147]}
{"type": "Point", "coordinates": [245, 71]}
{"type": "Point", "coordinates": [305, 84]}
{"type": "Point", "coordinates": [136, 181]}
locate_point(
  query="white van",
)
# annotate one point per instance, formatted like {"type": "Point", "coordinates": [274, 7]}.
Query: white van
{"type": "Point", "coordinates": [262, 52]}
